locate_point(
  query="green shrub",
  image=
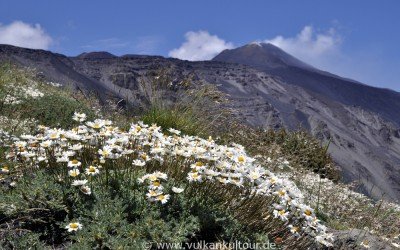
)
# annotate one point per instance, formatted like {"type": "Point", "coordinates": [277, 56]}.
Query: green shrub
{"type": "Point", "coordinates": [183, 119]}
{"type": "Point", "coordinates": [54, 109]}
{"type": "Point", "coordinates": [298, 147]}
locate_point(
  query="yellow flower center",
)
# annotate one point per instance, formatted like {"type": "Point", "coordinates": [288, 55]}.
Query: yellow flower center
{"type": "Point", "coordinates": [160, 197]}
{"type": "Point", "coordinates": [156, 183]}
{"type": "Point", "coordinates": [241, 158]}
{"type": "Point", "coordinates": [92, 169]}
{"type": "Point", "coordinates": [281, 212]}
{"type": "Point", "coordinates": [74, 225]}
{"type": "Point", "coordinates": [281, 192]}
{"type": "Point", "coordinates": [74, 162]}
{"type": "Point", "coordinates": [199, 164]}
{"type": "Point", "coordinates": [307, 212]}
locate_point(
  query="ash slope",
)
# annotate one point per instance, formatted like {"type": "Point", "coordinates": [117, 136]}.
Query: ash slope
{"type": "Point", "coordinates": [364, 142]}
{"type": "Point", "coordinates": [272, 60]}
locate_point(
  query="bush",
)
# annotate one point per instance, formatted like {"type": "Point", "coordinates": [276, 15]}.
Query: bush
{"type": "Point", "coordinates": [299, 148]}
{"type": "Point", "coordinates": [54, 110]}
{"type": "Point", "coordinates": [183, 119]}
{"type": "Point", "coordinates": [85, 175]}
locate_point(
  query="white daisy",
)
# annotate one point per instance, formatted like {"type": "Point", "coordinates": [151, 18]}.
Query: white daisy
{"type": "Point", "coordinates": [174, 131]}
{"type": "Point", "coordinates": [46, 144]}
{"type": "Point", "coordinates": [92, 170]}
{"type": "Point", "coordinates": [138, 163]}
{"type": "Point", "coordinates": [97, 124]}
{"type": "Point", "coordinates": [194, 176]}
{"type": "Point", "coordinates": [163, 198]}
{"type": "Point", "coordinates": [74, 172]}
{"type": "Point", "coordinates": [281, 214]}
{"type": "Point", "coordinates": [156, 185]}
{"type": "Point", "coordinates": [79, 117]}
{"type": "Point", "coordinates": [74, 163]}
{"type": "Point", "coordinates": [294, 230]}
{"type": "Point", "coordinates": [153, 193]}
{"type": "Point", "coordinates": [62, 159]}
{"type": "Point", "coordinates": [74, 226]}
{"type": "Point", "coordinates": [76, 147]}
{"type": "Point", "coordinates": [177, 190]}
{"type": "Point", "coordinates": [79, 182]}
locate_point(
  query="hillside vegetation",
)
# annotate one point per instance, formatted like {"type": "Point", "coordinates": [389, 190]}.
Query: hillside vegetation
{"type": "Point", "coordinates": [79, 175]}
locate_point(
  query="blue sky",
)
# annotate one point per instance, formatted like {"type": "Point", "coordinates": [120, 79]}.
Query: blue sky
{"type": "Point", "coordinates": [356, 39]}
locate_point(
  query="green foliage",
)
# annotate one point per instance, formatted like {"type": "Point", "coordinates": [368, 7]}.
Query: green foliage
{"type": "Point", "coordinates": [31, 210]}
{"type": "Point", "coordinates": [54, 109]}
{"type": "Point", "coordinates": [116, 216]}
{"type": "Point", "coordinates": [183, 119]}
{"type": "Point", "coordinates": [193, 109]}
{"type": "Point", "coordinates": [54, 106]}
{"type": "Point", "coordinates": [42, 207]}
{"type": "Point", "coordinates": [301, 149]}
{"type": "Point", "coordinates": [304, 150]}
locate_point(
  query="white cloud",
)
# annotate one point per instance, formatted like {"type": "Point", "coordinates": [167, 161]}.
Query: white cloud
{"type": "Point", "coordinates": [199, 46]}
{"type": "Point", "coordinates": [310, 46]}
{"type": "Point", "coordinates": [25, 35]}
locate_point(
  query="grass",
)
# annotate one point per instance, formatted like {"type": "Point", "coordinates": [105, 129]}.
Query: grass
{"type": "Point", "coordinates": [52, 109]}
{"type": "Point", "coordinates": [183, 119]}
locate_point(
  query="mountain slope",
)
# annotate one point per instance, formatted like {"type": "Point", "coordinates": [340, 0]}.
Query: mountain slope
{"type": "Point", "coordinates": [366, 144]}
{"type": "Point", "coordinates": [272, 60]}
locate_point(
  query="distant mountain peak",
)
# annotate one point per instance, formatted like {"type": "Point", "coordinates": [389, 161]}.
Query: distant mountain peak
{"type": "Point", "coordinates": [260, 54]}
{"type": "Point", "coordinates": [255, 43]}
{"type": "Point", "coordinates": [96, 55]}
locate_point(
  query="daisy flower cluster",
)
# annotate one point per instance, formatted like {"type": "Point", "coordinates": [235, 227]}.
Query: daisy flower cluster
{"type": "Point", "coordinates": [350, 208]}
{"type": "Point", "coordinates": [17, 125]}
{"type": "Point", "coordinates": [155, 188]}
{"type": "Point", "coordinates": [92, 150]}
{"type": "Point", "coordinates": [54, 84]}
{"type": "Point", "coordinates": [18, 92]}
